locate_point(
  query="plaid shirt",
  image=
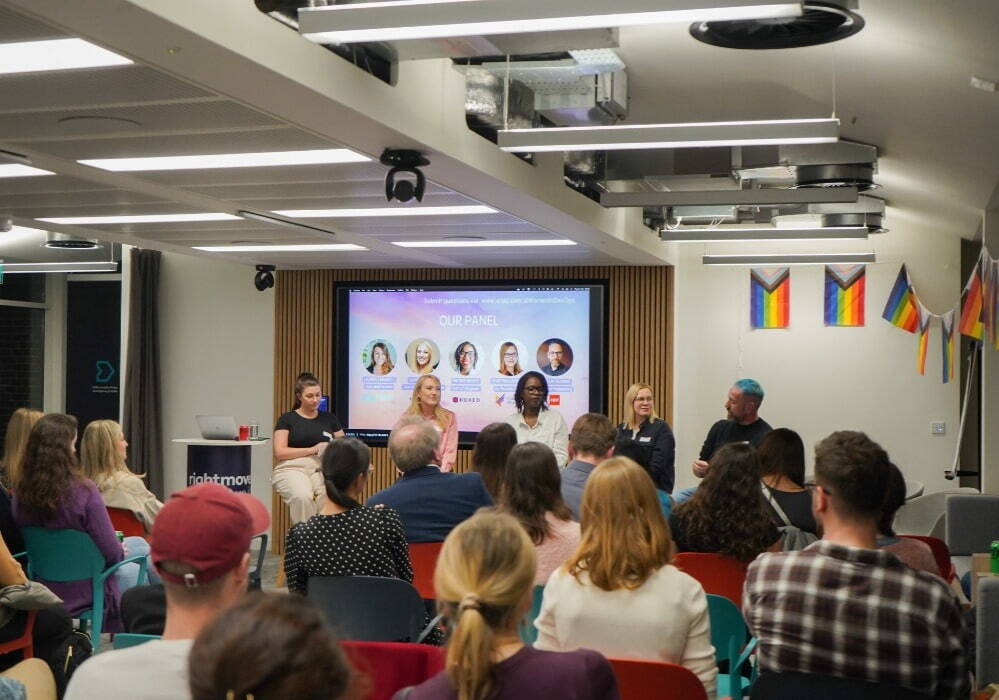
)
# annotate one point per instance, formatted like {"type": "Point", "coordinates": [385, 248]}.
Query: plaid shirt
{"type": "Point", "coordinates": [856, 613]}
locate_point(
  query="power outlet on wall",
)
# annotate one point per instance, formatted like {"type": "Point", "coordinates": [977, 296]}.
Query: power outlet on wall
{"type": "Point", "coordinates": [938, 427]}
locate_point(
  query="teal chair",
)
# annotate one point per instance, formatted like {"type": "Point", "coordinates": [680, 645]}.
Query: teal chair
{"type": "Point", "coordinates": [124, 640]}
{"type": "Point", "coordinates": [70, 555]}
{"type": "Point", "coordinates": [528, 632]}
{"type": "Point", "coordinates": [732, 644]}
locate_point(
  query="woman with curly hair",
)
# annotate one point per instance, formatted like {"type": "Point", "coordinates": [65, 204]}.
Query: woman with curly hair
{"type": "Point", "coordinates": [728, 513]}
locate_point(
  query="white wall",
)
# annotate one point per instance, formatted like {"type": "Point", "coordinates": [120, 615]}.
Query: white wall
{"type": "Point", "coordinates": [217, 355]}
{"type": "Point", "coordinates": [820, 379]}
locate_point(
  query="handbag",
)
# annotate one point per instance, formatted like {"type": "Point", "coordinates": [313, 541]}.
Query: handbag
{"type": "Point", "coordinates": [793, 537]}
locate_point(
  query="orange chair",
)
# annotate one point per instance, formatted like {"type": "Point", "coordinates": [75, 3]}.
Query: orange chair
{"type": "Point", "coordinates": [423, 557]}
{"type": "Point", "coordinates": [642, 680]}
{"type": "Point", "coordinates": [390, 666]}
{"type": "Point", "coordinates": [25, 643]}
{"type": "Point", "coordinates": [940, 552]}
{"type": "Point", "coordinates": [717, 573]}
{"type": "Point", "coordinates": [127, 521]}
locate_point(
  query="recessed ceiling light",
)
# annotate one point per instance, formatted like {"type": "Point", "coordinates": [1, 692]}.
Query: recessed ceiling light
{"type": "Point", "coordinates": [228, 160]}
{"type": "Point", "coordinates": [140, 218]}
{"type": "Point", "coordinates": [18, 170]}
{"type": "Point", "coordinates": [305, 248]}
{"type": "Point", "coordinates": [505, 243]}
{"type": "Point", "coordinates": [55, 54]}
{"type": "Point", "coordinates": [720, 235]}
{"type": "Point", "coordinates": [385, 211]}
{"type": "Point", "coordinates": [790, 259]}
{"type": "Point", "coordinates": [15, 268]}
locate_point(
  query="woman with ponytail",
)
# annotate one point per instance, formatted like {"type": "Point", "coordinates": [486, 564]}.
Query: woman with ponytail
{"type": "Point", "coordinates": [484, 580]}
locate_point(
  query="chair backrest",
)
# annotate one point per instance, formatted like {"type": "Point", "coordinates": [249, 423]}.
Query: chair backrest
{"type": "Point", "coordinates": [390, 666]}
{"type": "Point", "coordinates": [369, 608]}
{"type": "Point", "coordinates": [423, 557]}
{"type": "Point", "coordinates": [940, 553]}
{"type": "Point", "coordinates": [924, 515]}
{"type": "Point", "coordinates": [124, 640]}
{"type": "Point", "coordinates": [62, 555]}
{"type": "Point", "coordinates": [255, 581]}
{"type": "Point", "coordinates": [987, 632]}
{"type": "Point", "coordinates": [717, 573]}
{"type": "Point", "coordinates": [727, 623]}
{"type": "Point", "coordinates": [795, 686]}
{"type": "Point", "coordinates": [528, 632]}
{"type": "Point", "coordinates": [126, 521]}
{"type": "Point", "coordinates": [641, 680]}
{"type": "Point", "coordinates": [972, 523]}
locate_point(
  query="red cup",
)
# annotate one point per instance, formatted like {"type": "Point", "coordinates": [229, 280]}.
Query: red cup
{"type": "Point", "coordinates": [244, 432]}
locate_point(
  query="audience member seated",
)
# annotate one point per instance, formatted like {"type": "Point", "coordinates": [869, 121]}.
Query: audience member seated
{"type": "Point", "coordinates": [15, 441]}
{"type": "Point", "coordinates": [618, 593]}
{"type": "Point", "coordinates": [728, 513]}
{"type": "Point", "coordinates": [912, 552]}
{"type": "Point", "coordinates": [492, 447]}
{"type": "Point", "coordinates": [102, 454]}
{"type": "Point", "coordinates": [844, 608]}
{"type": "Point", "coordinates": [532, 495]}
{"type": "Point", "coordinates": [652, 433]}
{"type": "Point", "coordinates": [782, 469]}
{"type": "Point", "coordinates": [591, 442]}
{"type": "Point", "coordinates": [636, 452]}
{"type": "Point", "coordinates": [269, 646]}
{"type": "Point", "coordinates": [429, 501]}
{"type": "Point", "coordinates": [484, 578]}
{"type": "Point", "coordinates": [201, 542]}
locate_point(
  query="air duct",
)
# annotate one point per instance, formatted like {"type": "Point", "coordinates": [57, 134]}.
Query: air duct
{"type": "Point", "coordinates": [63, 241]}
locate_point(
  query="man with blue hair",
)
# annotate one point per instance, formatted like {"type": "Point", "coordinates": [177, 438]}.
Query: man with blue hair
{"type": "Point", "coordinates": [742, 424]}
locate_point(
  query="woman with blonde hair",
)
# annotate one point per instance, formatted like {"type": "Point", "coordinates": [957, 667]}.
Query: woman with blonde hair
{"type": "Point", "coordinates": [484, 582]}
{"type": "Point", "coordinates": [509, 359]}
{"type": "Point", "coordinates": [103, 451]}
{"type": "Point", "coordinates": [16, 439]}
{"type": "Point", "coordinates": [651, 432]}
{"type": "Point", "coordinates": [422, 360]}
{"type": "Point", "coordinates": [426, 403]}
{"type": "Point", "coordinates": [618, 593]}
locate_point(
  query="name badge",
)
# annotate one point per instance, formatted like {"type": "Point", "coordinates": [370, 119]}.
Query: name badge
{"type": "Point", "coordinates": [645, 439]}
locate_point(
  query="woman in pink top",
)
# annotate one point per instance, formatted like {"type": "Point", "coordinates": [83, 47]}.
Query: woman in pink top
{"type": "Point", "coordinates": [426, 402]}
{"type": "Point", "coordinates": [532, 494]}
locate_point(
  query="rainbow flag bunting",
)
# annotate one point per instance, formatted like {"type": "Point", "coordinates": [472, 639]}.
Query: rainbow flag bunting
{"type": "Point", "coordinates": [949, 346]}
{"type": "Point", "coordinates": [900, 310]}
{"type": "Point", "coordinates": [769, 297]}
{"type": "Point", "coordinates": [844, 295]}
{"type": "Point", "coordinates": [971, 323]}
{"type": "Point", "coordinates": [924, 338]}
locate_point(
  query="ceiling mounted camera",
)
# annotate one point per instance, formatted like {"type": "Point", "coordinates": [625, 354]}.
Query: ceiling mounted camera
{"type": "Point", "coordinates": [404, 161]}
{"type": "Point", "coordinates": [264, 278]}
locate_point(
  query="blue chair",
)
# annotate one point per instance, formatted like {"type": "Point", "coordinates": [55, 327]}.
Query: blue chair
{"type": "Point", "coordinates": [124, 640]}
{"type": "Point", "coordinates": [528, 632]}
{"type": "Point", "coordinates": [732, 644]}
{"type": "Point", "coordinates": [70, 555]}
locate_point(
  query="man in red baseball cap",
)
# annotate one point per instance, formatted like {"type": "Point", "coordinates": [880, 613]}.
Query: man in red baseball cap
{"type": "Point", "coordinates": [200, 548]}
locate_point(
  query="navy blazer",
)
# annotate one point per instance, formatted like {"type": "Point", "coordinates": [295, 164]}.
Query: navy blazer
{"type": "Point", "coordinates": [431, 502]}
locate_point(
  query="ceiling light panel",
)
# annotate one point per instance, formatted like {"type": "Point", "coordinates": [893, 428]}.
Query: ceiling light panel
{"type": "Point", "coordinates": [18, 170]}
{"type": "Point", "coordinates": [506, 243]}
{"type": "Point", "coordinates": [725, 235]}
{"type": "Point", "coordinates": [55, 54]}
{"type": "Point", "coordinates": [386, 212]}
{"type": "Point", "coordinates": [141, 218]}
{"type": "Point", "coordinates": [305, 248]}
{"type": "Point", "coordinates": [434, 19]}
{"type": "Point", "coordinates": [228, 160]}
{"type": "Point", "coordinates": [790, 259]}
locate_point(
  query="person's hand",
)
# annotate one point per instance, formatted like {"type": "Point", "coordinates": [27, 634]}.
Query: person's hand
{"type": "Point", "coordinates": [700, 468]}
{"type": "Point", "coordinates": [318, 448]}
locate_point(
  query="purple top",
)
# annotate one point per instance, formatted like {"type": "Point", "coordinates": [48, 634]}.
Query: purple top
{"type": "Point", "coordinates": [83, 509]}
{"type": "Point", "coordinates": [531, 673]}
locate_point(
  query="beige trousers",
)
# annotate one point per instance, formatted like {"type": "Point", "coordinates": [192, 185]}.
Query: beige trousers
{"type": "Point", "coordinates": [300, 484]}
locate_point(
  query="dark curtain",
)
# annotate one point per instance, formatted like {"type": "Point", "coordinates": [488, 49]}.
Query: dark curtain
{"type": "Point", "coordinates": [142, 421]}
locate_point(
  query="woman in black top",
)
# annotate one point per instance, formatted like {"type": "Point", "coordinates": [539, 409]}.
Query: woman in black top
{"type": "Point", "coordinates": [782, 471]}
{"type": "Point", "coordinates": [299, 438]}
{"type": "Point", "coordinates": [651, 432]}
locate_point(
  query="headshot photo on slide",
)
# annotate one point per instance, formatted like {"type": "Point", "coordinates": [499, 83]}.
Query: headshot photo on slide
{"type": "Point", "coordinates": [465, 358]}
{"type": "Point", "coordinates": [423, 356]}
{"type": "Point", "coordinates": [379, 357]}
{"type": "Point", "coordinates": [554, 357]}
{"type": "Point", "coordinates": [507, 356]}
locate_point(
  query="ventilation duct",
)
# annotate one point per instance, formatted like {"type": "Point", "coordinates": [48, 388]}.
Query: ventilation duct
{"type": "Point", "coordinates": [821, 22]}
{"type": "Point", "coordinates": [485, 97]}
{"type": "Point", "coordinates": [859, 175]}
{"type": "Point", "coordinates": [63, 241]}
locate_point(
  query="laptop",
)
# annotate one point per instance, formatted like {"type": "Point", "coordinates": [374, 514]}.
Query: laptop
{"type": "Point", "coordinates": [218, 427]}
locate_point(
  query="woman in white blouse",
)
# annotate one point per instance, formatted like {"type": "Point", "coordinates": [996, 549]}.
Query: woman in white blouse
{"type": "Point", "coordinates": [618, 594]}
{"type": "Point", "coordinates": [534, 421]}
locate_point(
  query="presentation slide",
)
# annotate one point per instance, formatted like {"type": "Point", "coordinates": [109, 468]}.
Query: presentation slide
{"type": "Point", "coordinates": [476, 341]}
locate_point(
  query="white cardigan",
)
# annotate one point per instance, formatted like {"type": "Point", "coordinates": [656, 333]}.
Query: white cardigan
{"type": "Point", "coordinates": [665, 619]}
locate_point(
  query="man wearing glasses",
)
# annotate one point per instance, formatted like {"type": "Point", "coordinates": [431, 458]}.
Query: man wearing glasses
{"type": "Point", "coordinates": [556, 359]}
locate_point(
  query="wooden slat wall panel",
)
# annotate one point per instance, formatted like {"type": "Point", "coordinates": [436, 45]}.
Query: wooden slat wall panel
{"type": "Point", "coordinates": [639, 339]}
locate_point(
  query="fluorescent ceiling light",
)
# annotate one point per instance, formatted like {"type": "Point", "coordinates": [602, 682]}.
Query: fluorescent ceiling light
{"type": "Point", "coordinates": [140, 219]}
{"type": "Point", "coordinates": [435, 19]}
{"type": "Point", "coordinates": [506, 243]}
{"type": "Point", "coordinates": [228, 160]}
{"type": "Point", "coordinates": [709, 198]}
{"type": "Point", "coordinates": [18, 170]}
{"type": "Point", "coordinates": [306, 248]}
{"type": "Point", "coordinates": [724, 235]}
{"type": "Point", "coordinates": [790, 259]}
{"type": "Point", "coordinates": [55, 54]}
{"type": "Point", "coordinates": [649, 136]}
{"type": "Point", "coordinates": [385, 211]}
{"type": "Point", "coordinates": [14, 268]}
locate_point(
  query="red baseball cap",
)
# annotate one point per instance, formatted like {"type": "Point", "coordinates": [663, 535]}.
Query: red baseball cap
{"type": "Point", "coordinates": [209, 528]}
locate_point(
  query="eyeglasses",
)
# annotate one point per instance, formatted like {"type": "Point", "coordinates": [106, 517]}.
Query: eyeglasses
{"type": "Point", "coordinates": [509, 354]}
{"type": "Point", "coordinates": [813, 485]}
{"type": "Point", "coordinates": [555, 352]}
{"type": "Point", "coordinates": [467, 353]}
{"type": "Point", "coordinates": [533, 390]}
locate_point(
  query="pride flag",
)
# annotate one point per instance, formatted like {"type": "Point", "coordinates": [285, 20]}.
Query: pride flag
{"type": "Point", "coordinates": [844, 295]}
{"type": "Point", "coordinates": [900, 310]}
{"type": "Point", "coordinates": [971, 313]}
{"type": "Point", "coordinates": [949, 347]}
{"type": "Point", "coordinates": [924, 338]}
{"type": "Point", "coordinates": [769, 297]}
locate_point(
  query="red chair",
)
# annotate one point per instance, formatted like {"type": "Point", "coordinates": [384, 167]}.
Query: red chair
{"type": "Point", "coordinates": [717, 573]}
{"type": "Point", "coordinates": [390, 666]}
{"type": "Point", "coordinates": [642, 680]}
{"type": "Point", "coordinates": [25, 642]}
{"type": "Point", "coordinates": [940, 552]}
{"type": "Point", "coordinates": [127, 521]}
{"type": "Point", "coordinates": [423, 557]}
